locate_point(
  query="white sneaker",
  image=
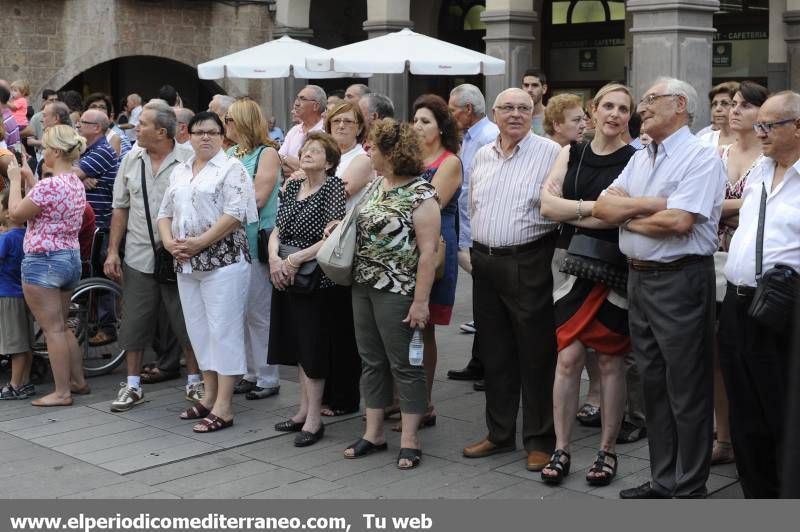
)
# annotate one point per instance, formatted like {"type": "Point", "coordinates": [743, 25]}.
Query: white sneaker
{"type": "Point", "coordinates": [195, 391]}
{"type": "Point", "coordinates": [127, 398]}
{"type": "Point", "coordinates": [468, 327]}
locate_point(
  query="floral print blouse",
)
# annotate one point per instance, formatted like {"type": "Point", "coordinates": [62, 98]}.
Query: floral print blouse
{"type": "Point", "coordinates": [195, 203]}
{"type": "Point", "coordinates": [386, 243]}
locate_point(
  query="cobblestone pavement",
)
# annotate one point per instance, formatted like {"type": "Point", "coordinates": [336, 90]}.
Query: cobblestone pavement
{"type": "Point", "coordinates": [85, 451]}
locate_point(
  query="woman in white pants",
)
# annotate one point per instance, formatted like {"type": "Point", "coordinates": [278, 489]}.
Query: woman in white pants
{"type": "Point", "coordinates": [245, 125]}
{"type": "Point", "coordinates": [202, 219]}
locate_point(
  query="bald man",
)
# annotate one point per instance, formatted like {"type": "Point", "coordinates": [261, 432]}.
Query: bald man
{"type": "Point", "coordinates": [512, 248]}
{"type": "Point", "coordinates": [182, 135]}
{"type": "Point", "coordinates": [355, 92]}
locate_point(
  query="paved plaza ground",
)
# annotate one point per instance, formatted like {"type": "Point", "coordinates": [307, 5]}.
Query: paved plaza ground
{"type": "Point", "coordinates": [85, 451]}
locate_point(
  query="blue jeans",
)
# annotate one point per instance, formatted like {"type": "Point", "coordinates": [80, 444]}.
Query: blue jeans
{"type": "Point", "coordinates": [60, 269]}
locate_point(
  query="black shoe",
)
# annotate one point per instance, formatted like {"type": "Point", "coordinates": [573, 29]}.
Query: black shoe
{"type": "Point", "coordinates": [466, 374]}
{"type": "Point", "coordinates": [645, 491]}
{"type": "Point", "coordinates": [289, 426]}
{"type": "Point", "coordinates": [630, 433]}
{"type": "Point", "coordinates": [244, 386]}
{"type": "Point", "coordinates": [479, 386]}
{"type": "Point", "coordinates": [305, 438]}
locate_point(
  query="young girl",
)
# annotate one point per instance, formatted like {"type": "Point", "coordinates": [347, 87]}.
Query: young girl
{"type": "Point", "coordinates": [15, 321]}
{"type": "Point", "coordinates": [18, 104]}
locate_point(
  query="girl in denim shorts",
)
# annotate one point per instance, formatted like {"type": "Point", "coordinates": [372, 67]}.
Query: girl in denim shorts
{"type": "Point", "coordinates": [53, 209]}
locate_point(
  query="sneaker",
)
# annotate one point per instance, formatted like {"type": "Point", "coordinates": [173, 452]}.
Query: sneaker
{"type": "Point", "coordinates": [9, 393]}
{"type": "Point", "coordinates": [244, 386]}
{"type": "Point", "coordinates": [468, 327]}
{"type": "Point", "coordinates": [127, 398]}
{"type": "Point", "coordinates": [195, 391]}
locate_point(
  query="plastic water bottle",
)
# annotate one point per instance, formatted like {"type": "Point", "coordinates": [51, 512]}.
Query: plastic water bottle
{"type": "Point", "coordinates": [415, 348]}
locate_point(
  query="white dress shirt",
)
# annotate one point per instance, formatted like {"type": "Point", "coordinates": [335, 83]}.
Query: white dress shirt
{"type": "Point", "coordinates": [480, 134]}
{"type": "Point", "coordinates": [781, 224]}
{"type": "Point", "coordinates": [505, 192]}
{"type": "Point", "coordinates": [692, 178]}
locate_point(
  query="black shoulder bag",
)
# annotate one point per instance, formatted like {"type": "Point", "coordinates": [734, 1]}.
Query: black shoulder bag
{"type": "Point", "coordinates": [164, 269]}
{"type": "Point", "coordinates": [592, 258]}
{"type": "Point", "coordinates": [262, 236]}
{"type": "Point", "coordinates": [776, 289]}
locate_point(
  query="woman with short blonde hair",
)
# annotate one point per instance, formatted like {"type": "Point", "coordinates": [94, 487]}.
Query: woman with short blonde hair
{"type": "Point", "coordinates": [564, 119]}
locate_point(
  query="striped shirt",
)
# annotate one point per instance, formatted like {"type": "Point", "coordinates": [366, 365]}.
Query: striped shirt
{"type": "Point", "coordinates": [505, 192]}
{"type": "Point", "coordinates": [99, 162]}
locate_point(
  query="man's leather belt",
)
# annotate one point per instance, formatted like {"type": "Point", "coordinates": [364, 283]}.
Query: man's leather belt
{"type": "Point", "coordinates": [653, 266]}
{"type": "Point", "coordinates": [505, 251]}
{"type": "Point", "coordinates": [742, 290]}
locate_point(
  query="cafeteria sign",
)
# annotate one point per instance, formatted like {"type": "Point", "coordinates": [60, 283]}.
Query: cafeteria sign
{"type": "Point", "coordinates": [587, 60]}
{"type": "Point", "coordinates": [722, 54]}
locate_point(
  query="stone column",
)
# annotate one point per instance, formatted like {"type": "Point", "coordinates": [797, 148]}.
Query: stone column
{"type": "Point", "coordinates": [777, 79]}
{"type": "Point", "coordinates": [291, 18]}
{"type": "Point", "coordinates": [510, 29]}
{"type": "Point", "coordinates": [673, 39]}
{"type": "Point", "coordinates": [791, 19]}
{"type": "Point", "coordinates": [388, 16]}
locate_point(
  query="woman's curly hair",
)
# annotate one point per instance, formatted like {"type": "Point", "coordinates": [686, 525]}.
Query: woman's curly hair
{"type": "Point", "coordinates": [449, 132]}
{"type": "Point", "coordinates": [399, 143]}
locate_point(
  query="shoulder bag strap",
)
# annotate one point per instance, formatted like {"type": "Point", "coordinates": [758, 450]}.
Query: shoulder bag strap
{"type": "Point", "coordinates": [255, 171]}
{"type": "Point", "coordinates": [760, 232]}
{"type": "Point", "coordinates": [578, 173]}
{"type": "Point", "coordinates": [147, 208]}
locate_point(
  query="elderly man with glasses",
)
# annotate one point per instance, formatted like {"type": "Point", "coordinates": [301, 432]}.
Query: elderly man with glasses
{"type": "Point", "coordinates": [667, 202]}
{"type": "Point", "coordinates": [309, 106]}
{"type": "Point", "coordinates": [754, 356]}
{"type": "Point", "coordinates": [512, 248]}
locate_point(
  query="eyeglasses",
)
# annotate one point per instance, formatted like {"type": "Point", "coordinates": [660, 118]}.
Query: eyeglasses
{"type": "Point", "coordinates": [650, 99]}
{"type": "Point", "coordinates": [342, 122]}
{"type": "Point", "coordinates": [766, 127]}
{"type": "Point", "coordinates": [202, 133]}
{"type": "Point", "coordinates": [229, 120]}
{"type": "Point", "coordinates": [79, 123]}
{"type": "Point", "coordinates": [304, 99]}
{"type": "Point", "coordinates": [508, 109]}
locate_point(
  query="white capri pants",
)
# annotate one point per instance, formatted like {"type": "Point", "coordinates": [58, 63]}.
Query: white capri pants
{"type": "Point", "coordinates": [259, 301]}
{"type": "Point", "coordinates": [214, 305]}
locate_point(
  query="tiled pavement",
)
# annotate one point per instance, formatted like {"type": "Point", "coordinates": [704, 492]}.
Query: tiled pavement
{"type": "Point", "coordinates": [87, 452]}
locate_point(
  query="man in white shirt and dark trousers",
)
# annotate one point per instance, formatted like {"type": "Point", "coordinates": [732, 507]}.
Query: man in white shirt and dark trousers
{"type": "Point", "coordinates": [755, 357]}
{"type": "Point", "coordinates": [512, 248]}
{"type": "Point", "coordinates": [668, 201]}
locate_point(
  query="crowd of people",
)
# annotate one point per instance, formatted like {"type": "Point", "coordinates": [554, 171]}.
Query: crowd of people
{"type": "Point", "coordinates": [600, 235]}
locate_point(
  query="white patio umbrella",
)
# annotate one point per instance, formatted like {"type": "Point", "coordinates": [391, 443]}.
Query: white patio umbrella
{"type": "Point", "coordinates": [280, 58]}
{"type": "Point", "coordinates": [394, 52]}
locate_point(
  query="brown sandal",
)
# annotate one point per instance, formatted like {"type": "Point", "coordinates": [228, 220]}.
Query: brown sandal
{"type": "Point", "coordinates": [196, 411]}
{"type": "Point", "coordinates": [212, 423]}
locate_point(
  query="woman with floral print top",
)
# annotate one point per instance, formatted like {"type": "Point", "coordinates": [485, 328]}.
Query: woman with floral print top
{"type": "Point", "coordinates": [394, 265]}
{"type": "Point", "coordinates": [201, 221]}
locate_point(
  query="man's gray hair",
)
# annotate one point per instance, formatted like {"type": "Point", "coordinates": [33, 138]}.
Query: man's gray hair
{"type": "Point", "coordinates": [319, 96]}
{"type": "Point", "coordinates": [363, 89]}
{"type": "Point", "coordinates": [380, 104]}
{"type": "Point", "coordinates": [225, 101]}
{"type": "Point", "coordinates": [470, 94]}
{"type": "Point", "coordinates": [61, 111]}
{"type": "Point", "coordinates": [183, 114]}
{"type": "Point", "coordinates": [681, 88]}
{"type": "Point", "coordinates": [164, 116]}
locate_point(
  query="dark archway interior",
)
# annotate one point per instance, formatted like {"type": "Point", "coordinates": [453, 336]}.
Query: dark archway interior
{"type": "Point", "coordinates": [144, 74]}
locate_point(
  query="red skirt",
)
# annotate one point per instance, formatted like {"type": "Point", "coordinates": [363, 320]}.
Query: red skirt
{"type": "Point", "coordinates": [586, 328]}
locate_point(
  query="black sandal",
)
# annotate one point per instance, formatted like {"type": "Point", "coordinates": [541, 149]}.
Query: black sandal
{"type": "Point", "coordinates": [603, 471]}
{"type": "Point", "coordinates": [560, 467]}
{"type": "Point", "coordinates": [289, 426]}
{"type": "Point", "coordinates": [365, 447]}
{"type": "Point", "coordinates": [412, 455]}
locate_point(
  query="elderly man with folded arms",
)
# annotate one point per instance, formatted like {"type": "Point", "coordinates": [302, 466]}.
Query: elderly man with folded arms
{"type": "Point", "coordinates": [754, 356]}
{"type": "Point", "coordinates": [512, 248]}
{"type": "Point", "coordinates": [667, 202]}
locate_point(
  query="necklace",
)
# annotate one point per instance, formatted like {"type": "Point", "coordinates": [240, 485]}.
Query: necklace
{"type": "Point", "coordinates": [240, 152]}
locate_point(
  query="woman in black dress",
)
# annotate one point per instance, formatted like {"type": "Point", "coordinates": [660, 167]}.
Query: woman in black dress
{"type": "Point", "coordinates": [303, 326]}
{"type": "Point", "coordinates": [589, 315]}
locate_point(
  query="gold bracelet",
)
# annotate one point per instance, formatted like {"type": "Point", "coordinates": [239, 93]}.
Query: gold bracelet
{"type": "Point", "coordinates": [290, 263]}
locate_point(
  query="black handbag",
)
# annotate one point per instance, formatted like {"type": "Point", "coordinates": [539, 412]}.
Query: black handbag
{"type": "Point", "coordinates": [262, 242]}
{"type": "Point", "coordinates": [594, 259]}
{"type": "Point", "coordinates": [164, 268]}
{"type": "Point", "coordinates": [776, 290]}
{"type": "Point", "coordinates": [307, 278]}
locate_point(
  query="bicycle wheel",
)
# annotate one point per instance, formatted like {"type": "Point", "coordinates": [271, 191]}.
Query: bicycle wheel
{"type": "Point", "coordinates": [95, 305]}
